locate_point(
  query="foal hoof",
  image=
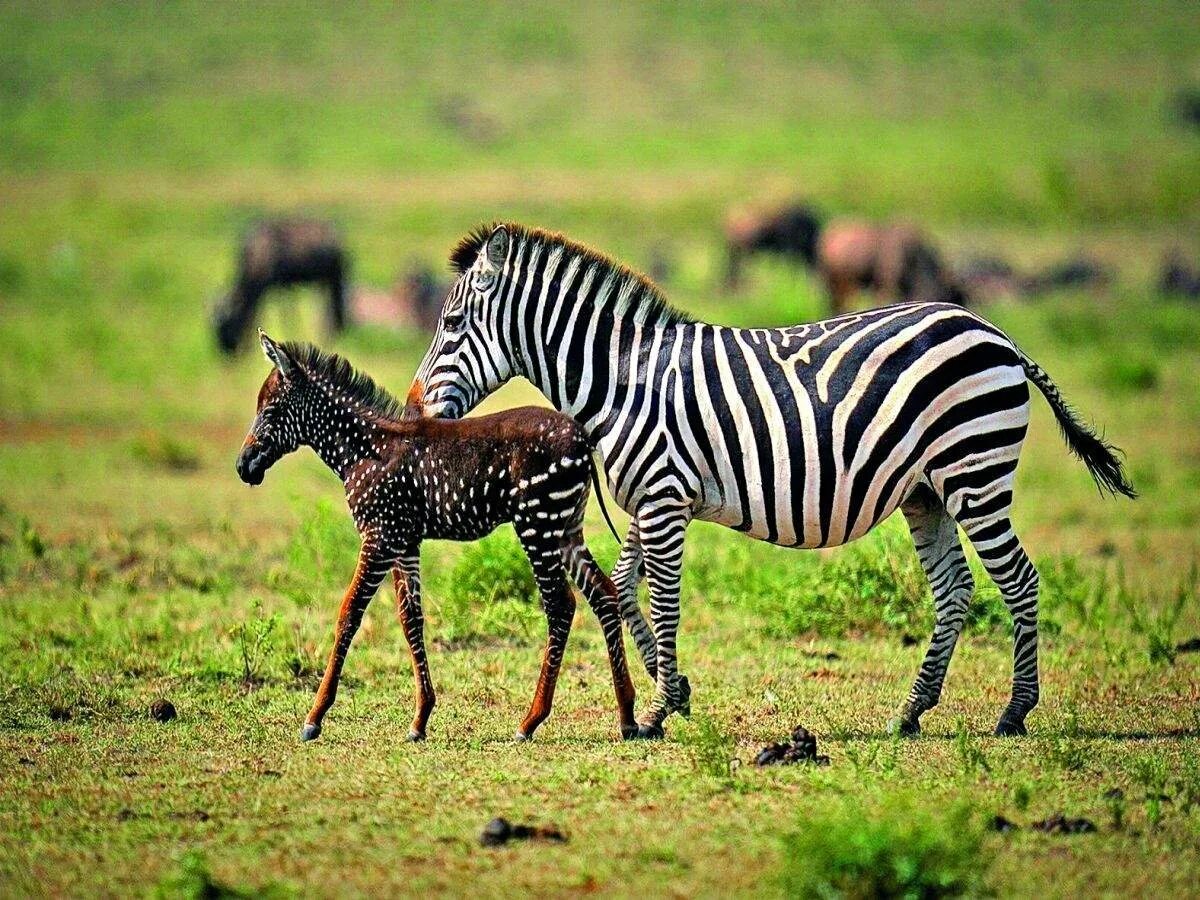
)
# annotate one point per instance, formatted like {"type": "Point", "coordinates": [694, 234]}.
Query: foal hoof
{"type": "Point", "coordinates": [909, 728]}
{"type": "Point", "coordinates": [650, 732]}
{"type": "Point", "coordinates": [414, 736]}
{"type": "Point", "coordinates": [1011, 728]}
{"type": "Point", "coordinates": [521, 737]}
{"type": "Point", "coordinates": [310, 732]}
{"type": "Point", "coordinates": [629, 732]}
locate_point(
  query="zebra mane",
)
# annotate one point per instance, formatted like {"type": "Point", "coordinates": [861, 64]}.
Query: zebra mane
{"type": "Point", "coordinates": [632, 291]}
{"type": "Point", "coordinates": [356, 386]}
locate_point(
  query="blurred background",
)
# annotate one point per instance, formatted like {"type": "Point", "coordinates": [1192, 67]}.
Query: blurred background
{"type": "Point", "coordinates": [1047, 154]}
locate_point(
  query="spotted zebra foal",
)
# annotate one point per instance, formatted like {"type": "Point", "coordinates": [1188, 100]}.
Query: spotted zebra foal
{"type": "Point", "coordinates": [408, 479]}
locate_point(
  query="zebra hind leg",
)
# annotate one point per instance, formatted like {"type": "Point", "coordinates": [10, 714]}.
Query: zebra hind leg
{"type": "Point", "coordinates": [935, 536]}
{"type": "Point", "coordinates": [1009, 566]}
{"type": "Point", "coordinates": [627, 575]}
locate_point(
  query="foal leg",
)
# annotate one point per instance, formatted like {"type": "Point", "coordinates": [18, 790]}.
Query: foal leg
{"type": "Point", "coordinates": [663, 526]}
{"type": "Point", "coordinates": [407, 574]}
{"type": "Point", "coordinates": [559, 605]}
{"type": "Point", "coordinates": [372, 567]}
{"type": "Point", "coordinates": [935, 536]}
{"type": "Point", "coordinates": [601, 595]}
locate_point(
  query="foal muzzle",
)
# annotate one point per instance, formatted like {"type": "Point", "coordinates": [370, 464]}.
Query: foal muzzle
{"type": "Point", "coordinates": [254, 460]}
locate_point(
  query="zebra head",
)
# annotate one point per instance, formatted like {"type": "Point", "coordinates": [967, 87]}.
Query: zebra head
{"type": "Point", "coordinates": [468, 357]}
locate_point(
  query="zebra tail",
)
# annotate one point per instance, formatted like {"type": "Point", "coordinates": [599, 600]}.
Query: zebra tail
{"type": "Point", "coordinates": [1096, 453]}
{"type": "Point", "coordinates": [600, 497]}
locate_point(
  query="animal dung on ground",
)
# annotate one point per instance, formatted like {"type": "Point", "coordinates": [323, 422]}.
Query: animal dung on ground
{"type": "Point", "coordinates": [801, 749]}
{"type": "Point", "coordinates": [1060, 824]}
{"type": "Point", "coordinates": [1001, 824]}
{"type": "Point", "coordinates": [499, 832]}
{"type": "Point", "coordinates": [162, 710]}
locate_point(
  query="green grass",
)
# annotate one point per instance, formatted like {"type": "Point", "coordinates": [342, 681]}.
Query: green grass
{"type": "Point", "coordinates": [136, 140]}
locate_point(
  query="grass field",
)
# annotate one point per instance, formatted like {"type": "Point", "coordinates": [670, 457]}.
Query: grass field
{"type": "Point", "coordinates": [135, 142]}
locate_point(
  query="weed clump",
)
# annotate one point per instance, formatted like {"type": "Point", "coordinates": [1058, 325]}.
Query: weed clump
{"type": "Point", "coordinates": [896, 851]}
{"type": "Point", "coordinates": [709, 746]}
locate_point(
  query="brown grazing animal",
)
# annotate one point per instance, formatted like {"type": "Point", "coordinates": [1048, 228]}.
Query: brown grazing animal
{"type": "Point", "coordinates": [414, 301]}
{"type": "Point", "coordinates": [893, 261]}
{"type": "Point", "coordinates": [282, 253]}
{"type": "Point", "coordinates": [408, 479]}
{"type": "Point", "coordinates": [791, 232]}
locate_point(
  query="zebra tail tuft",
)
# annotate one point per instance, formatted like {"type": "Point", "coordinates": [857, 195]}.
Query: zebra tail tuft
{"type": "Point", "coordinates": [1097, 454]}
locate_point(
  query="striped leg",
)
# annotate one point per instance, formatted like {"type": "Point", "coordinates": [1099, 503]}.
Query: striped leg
{"type": "Point", "coordinates": [407, 575]}
{"type": "Point", "coordinates": [662, 528]}
{"type": "Point", "coordinates": [601, 595]}
{"type": "Point", "coordinates": [559, 605]}
{"type": "Point", "coordinates": [372, 568]}
{"type": "Point", "coordinates": [1008, 565]}
{"type": "Point", "coordinates": [627, 575]}
{"type": "Point", "coordinates": [935, 536]}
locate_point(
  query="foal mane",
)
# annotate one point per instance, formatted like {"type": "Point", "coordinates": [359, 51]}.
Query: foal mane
{"type": "Point", "coordinates": [356, 386]}
{"type": "Point", "coordinates": [632, 291]}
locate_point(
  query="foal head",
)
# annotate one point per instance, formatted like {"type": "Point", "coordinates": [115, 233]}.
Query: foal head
{"type": "Point", "coordinates": [279, 418]}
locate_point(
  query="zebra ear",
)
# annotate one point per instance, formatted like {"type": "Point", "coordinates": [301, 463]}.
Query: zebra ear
{"type": "Point", "coordinates": [497, 247]}
{"type": "Point", "coordinates": [277, 356]}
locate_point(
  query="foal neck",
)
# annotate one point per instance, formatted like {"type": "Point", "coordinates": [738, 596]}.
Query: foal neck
{"type": "Point", "coordinates": [343, 431]}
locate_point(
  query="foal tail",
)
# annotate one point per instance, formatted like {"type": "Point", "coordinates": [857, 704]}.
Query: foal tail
{"type": "Point", "coordinates": [600, 496]}
{"type": "Point", "coordinates": [1097, 454]}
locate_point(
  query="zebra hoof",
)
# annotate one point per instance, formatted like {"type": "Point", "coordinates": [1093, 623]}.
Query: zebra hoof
{"type": "Point", "coordinates": [1011, 728]}
{"type": "Point", "coordinates": [310, 732]}
{"type": "Point", "coordinates": [629, 732]}
{"type": "Point", "coordinates": [415, 737]}
{"type": "Point", "coordinates": [909, 728]}
{"type": "Point", "coordinates": [650, 732]}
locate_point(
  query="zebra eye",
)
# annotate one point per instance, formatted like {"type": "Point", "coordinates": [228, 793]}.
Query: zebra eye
{"type": "Point", "coordinates": [454, 320]}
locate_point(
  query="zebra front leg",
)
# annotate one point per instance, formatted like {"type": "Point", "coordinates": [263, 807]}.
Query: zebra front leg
{"type": "Point", "coordinates": [1006, 562]}
{"type": "Point", "coordinates": [935, 537]}
{"type": "Point", "coordinates": [372, 567]}
{"type": "Point", "coordinates": [559, 606]}
{"type": "Point", "coordinates": [601, 595]}
{"type": "Point", "coordinates": [662, 531]}
{"type": "Point", "coordinates": [407, 576]}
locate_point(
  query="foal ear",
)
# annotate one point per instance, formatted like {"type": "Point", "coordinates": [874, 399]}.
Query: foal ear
{"type": "Point", "coordinates": [277, 356]}
{"type": "Point", "coordinates": [497, 247]}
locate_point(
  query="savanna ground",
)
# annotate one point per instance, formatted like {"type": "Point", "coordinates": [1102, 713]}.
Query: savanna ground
{"type": "Point", "coordinates": [136, 140]}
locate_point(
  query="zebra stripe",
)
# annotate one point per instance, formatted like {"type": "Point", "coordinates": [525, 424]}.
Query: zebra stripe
{"type": "Point", "coordinates": [804, 436]}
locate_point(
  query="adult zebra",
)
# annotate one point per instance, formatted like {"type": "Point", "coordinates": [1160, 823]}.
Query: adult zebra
{"type": "Point", "coordinates": [805, 436]}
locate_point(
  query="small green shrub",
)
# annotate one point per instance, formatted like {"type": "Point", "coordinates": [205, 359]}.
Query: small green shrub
{"type": "Point", "coordinates": [709, 746]}
{"type": "Point", "coordinates": [896, 851]}
{"type": "Point", "coordinates": [495, 569]}
{"type": "Point", "coordinates": [322, 554]}
{"type": "Point", "coordinates": [488, 595]}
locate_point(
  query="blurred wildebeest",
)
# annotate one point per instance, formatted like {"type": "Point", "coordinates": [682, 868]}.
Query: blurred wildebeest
{"type": "Point", "coordinates": [281, 253]}
{"type": "Point", "coordinates": [1177, 278]}
{"type": "Point", "coordinates": [894, 260]}
{"type": "Point", "coordinates": [413, 301]}
{"type": "Point", "coordinates": [791, 231]}
{"type": "Point", "coordinates": [992, 276]}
